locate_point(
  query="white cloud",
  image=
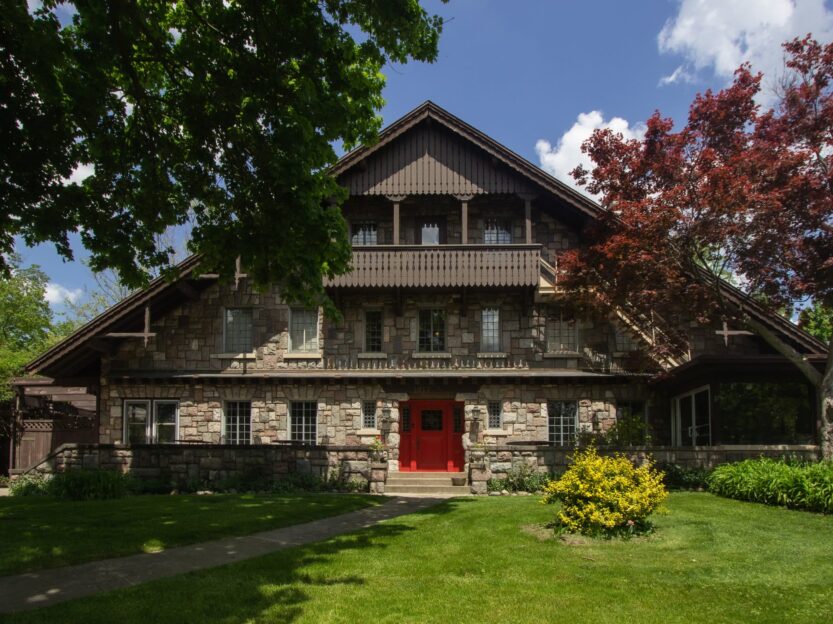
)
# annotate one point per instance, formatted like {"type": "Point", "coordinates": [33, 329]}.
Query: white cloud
{"type": "Point", "coordinates": [719, 35]}
{"type": "Point", "coordinates": [59, 295]}
{"type": "Point", "coordinates": [560, 159]}
{"type": "Point", "coordinates": [81, 173]}
{"type": "Point", "coordinates": [677, 76]}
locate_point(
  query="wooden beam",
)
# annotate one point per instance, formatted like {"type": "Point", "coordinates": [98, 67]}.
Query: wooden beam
{"type": "Point", "coordinates": [464, 217]}
{"type": "Point", "coordinates": [187, 289]}
{"type": "Point", "coordinates": [126, 335]}
{"type": "Point", "coordinates": [527, 216]}
{"type": "Point", "coordinates": [396, 199]}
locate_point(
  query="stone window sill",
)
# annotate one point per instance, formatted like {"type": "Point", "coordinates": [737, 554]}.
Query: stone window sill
{"type": "Point", "coordinates": [562, 354]}
{"type": "Point", "coordinates": [492, 355]}
{"type": "Point", "coordinates": [235, 356]}
{"type": "Point", "coordinates": [368, 432]}
{"type": "Point", "coordinates": [496, 432]}
{"type": "Point", "coordinates": [302, 355]}
{"type": "Point", "coordinates": [372, 356]}
{"type": "Point", "coordinates": [439, 355]}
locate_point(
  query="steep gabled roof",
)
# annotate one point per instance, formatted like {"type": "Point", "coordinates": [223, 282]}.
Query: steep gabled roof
{"type": "Point", "coordinates": [430, 111]}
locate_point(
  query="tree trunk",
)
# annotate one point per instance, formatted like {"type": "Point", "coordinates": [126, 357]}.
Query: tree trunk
{"type": "Point", "coordinates": [823, 383]}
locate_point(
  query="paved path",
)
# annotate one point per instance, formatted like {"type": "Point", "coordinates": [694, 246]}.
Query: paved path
{"type": "Point", "coordinates": [47, 587]}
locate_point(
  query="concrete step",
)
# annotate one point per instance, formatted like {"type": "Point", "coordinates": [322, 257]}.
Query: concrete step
{"type": "Point", "coordinates": [424, 475]}
{"type": "Point", "coordinates": [410, 482]}
{"type": "Point", "coordinates": [460, 490]}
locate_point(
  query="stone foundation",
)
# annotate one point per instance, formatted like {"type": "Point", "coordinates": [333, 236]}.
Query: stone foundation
{"type": "Point", "coordinates": [495, 462]}
{"type": "Point", "coordinates": [207, 464]}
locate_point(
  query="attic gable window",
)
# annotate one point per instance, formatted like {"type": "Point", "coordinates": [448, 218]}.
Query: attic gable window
{"type": "Point", "coordinates": [497, 232]}
{"type": "Point", "coordinates": [364, 233]}
{"type": "Point", "coordinates": [238, 330]}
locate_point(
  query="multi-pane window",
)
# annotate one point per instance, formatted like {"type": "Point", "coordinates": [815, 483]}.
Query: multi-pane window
{"type": "Point", "coordinates": [237, 426]}
{"type": "Point", "coordinates": [432, 331]}
{"type": "Point", "coordinates": [563, 422]}
{"type": "Point", "coordinates": [151, 422]}
{"type": "Point", "coordinates": [458, 419]}
{"type": "Point", "coordinates": [562, 332]}
{"type": "Point", "coordinates": [369, 414]}
{"type": "Point", "coordinates": [304, 421]}
{"type": "Point", "coordinates": [238, 330]}
{"type": "Point", "coordinates": [625, 340]}
{"type": "Point", "coordinates": [497, 232]}
{"type": "Point", "coordinates": [364, 233]}
{"type": "Point", "coordinates": [406, 419]}
{"type": "Point", "coordinates": [495, 420]}
{"type": "Point", "coordinates": [490, 330]}
{"type": "Point", "coordinates": [373, 331]}
{"type": "Point", "coordinates": [303, 330]}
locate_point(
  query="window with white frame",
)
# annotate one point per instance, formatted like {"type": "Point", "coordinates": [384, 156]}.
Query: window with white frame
{"type": "Point", "coordinates": [691, 420]}
{"type": "Point", "coordinates": [369, 414]}
{"type": "Point", "coordinates": [431, 331]}
{"type": "Point", "coordinates": [495, 415]}
{"type": "Point", "coordinates": [238, 335]}
{"type": "Point", "coordinates": [490, 330]}
{"type": "Point", "coordinates": [237, 424]}
{"type": "Point", "coordinates": [563, 422]}
{"type": "Point", "coordinates": [562, 332]}
{"type": "Point", "coordinates": [373, 331]}
{"type": "Point", "coordinates": [151, 422]}
{"type": "Point", "coordinates": [364, 233]}
{"type": "Point", "coordinates": [625, 339]}
{"type": "Point", "coordinates": [303, 421]}
{"type": "Point", "coordinates": [303, 330]}
{"type": "Point", "coordinates": [497, 232]}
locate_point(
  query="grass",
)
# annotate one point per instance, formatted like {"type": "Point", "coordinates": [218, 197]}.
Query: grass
{"type": "Point", "coordinates": [471, 560]}
{"type": "Point", "coordinates": [42, 533]}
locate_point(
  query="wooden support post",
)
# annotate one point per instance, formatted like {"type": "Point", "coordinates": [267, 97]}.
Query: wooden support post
{"type": "Point", "coordinates": [147, 324]}
{"type": "Point", "coordinates": [527, 217]}
{"type": "Point", "coordinates": [464, 217]}
{"type": "Point", "coordinates": [396, 199]}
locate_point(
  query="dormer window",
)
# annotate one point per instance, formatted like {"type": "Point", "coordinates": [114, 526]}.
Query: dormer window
{"type": "Point", "coordinates": [238, 330]}
{"type": "Point", "coordinates": [364, 233]}
{"type": "Point", "coordinates": [497, 232]}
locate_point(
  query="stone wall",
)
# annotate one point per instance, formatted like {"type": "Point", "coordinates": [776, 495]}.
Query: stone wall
{"type": "Point", "coordinates": [207, 464]}
{"type": "Point", "coordinates": [497, 461]}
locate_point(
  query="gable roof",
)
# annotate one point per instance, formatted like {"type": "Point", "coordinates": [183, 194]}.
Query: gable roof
{"type": "Point", "coordinates": [162, 293]}
{"type": "Point", "coordinates": [502, 154]}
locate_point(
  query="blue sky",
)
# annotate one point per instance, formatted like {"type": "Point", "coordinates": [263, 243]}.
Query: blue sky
{"type": "Point", "coordinates": [540, 75]}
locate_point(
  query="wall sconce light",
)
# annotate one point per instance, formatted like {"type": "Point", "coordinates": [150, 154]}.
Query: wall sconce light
{"type": "Point", "coordinates": [385, 414]}
{"type": "Point", "coordinates": [475, 414]}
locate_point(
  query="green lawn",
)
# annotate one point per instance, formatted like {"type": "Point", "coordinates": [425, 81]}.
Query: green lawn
{"type": "Point", "coordinates": [469, 560]}
{"type": "Point", "coordinates": [46, 533]}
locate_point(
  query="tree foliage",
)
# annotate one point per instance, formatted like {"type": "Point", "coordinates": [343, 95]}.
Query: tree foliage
{"type": "Point", "coordinates": [818, 321]}
{"type": "Point", "coordinates": [738, 190]}
{"type": "Point", "coordinates": [26, 322]}
{"type": "Point", "coordinates": [224, 113]}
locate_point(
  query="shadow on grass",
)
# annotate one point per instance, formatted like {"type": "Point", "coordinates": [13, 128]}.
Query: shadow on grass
{"type": "Point", "coordinates": [273, 587]}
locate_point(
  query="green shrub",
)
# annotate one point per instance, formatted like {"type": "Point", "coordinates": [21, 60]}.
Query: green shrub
{"type": "Point", "coordinates": [606, 495]}
{"type": "Point", "coordinates": [34, 484]}
{"type": "Point", "coordinates": [789, 483]}
{"type": "Point", "coordinates": [335, 481]}
{"type": "Point", "coordinates": [521, 478]}
{"type": "Point", "coordinates": [4, 481]}
{"type": "Point", "coordinates": [678, 477]}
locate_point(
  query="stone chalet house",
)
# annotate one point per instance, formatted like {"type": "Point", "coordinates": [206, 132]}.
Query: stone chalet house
{"type": "Point", "coordinates": [457, 348]}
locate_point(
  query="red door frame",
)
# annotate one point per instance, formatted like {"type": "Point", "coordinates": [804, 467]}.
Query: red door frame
{"type": "Point", "coordinates": [445, 447]}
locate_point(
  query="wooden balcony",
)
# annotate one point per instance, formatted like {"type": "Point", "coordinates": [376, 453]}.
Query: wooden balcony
{"type": "Point", "coordinates": [441, 266]}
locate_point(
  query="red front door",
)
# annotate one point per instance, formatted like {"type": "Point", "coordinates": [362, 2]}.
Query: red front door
{"type": "Point", "coordinates": [431, 436]}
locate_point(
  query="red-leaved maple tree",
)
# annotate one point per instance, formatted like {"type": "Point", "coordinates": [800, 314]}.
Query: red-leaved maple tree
{"type": "Point", "coordinates": [740, 193]}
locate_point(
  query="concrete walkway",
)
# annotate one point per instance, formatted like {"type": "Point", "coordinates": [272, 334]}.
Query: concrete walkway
{"type": "Point", "coordinates": [47, 587]}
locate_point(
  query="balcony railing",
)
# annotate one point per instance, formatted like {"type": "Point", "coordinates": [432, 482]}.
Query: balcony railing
{"type": "Point", "coordinates": [416, 266]}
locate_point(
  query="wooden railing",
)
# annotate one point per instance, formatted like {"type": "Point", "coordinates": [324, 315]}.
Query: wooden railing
{"type": "Point", "coordinates": [416, 266]}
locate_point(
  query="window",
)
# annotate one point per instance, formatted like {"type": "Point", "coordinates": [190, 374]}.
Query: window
{"type": "Point", "coordinates": [497, 232]}
{"type": "Point", "coordinates": [406, 419]}
{"type": "Point", "coordinates": [364, 233]}
{"type": "Point", "coordinates": [764, 412]}
{"type": "Point", "coordinates": [151, 422]}
{"type": "Point", "coordinates": [432, 331]}
{"type": "Point", "coordinates": [304, 421]}
{"type": "Point", "coordinates": [238, 422]}
{"type": "Point", "coordinates": [495, 420]}
{"type": "Point", "coordinates": [431, 231]}
{"type": "Point", "coordinates": [625, 340]}
{"type": "Point", "coordinates": [631, 424]}
{"type": "Point", "coordinates": [458, 419]}
{"type": "Point", "coordinates": [563, 422]}
{"type": "Point", "coordinates": [431, 420]}
{"type": "Point", "coordinates": [369, 414]}
{"type": "Point", "coordinates": [373, 331]}
{"type": "Point", "coordinates": [562, 332]}
{"type": "Point", "coordinates": [490, 330]}
{"type": "Point", "coordinates": [692, 420]}
{"type": "Point", "coordinates": [238, 330]}
{"type": "Point", "coordinates": [303, 330]}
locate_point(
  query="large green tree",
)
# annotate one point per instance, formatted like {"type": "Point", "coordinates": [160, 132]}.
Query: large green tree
{"type": "Point", "coordinates": [26, 321]}
{"type": "Point", "coordinates": [221, 113]}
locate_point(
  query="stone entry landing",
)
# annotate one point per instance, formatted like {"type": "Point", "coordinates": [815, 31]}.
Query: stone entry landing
{"type": "Point", "coordinates": [427, 483]}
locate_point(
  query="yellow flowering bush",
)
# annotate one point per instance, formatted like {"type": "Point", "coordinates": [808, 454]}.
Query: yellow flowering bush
{"type": "Point", "coordinates": [606, 495]}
